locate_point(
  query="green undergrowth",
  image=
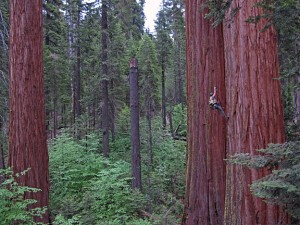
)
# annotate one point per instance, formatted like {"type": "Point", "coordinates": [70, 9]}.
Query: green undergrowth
{"type": "Point", "coordinates": [89, 189]}
{"type": "Point", "coordinates": [13, 206]}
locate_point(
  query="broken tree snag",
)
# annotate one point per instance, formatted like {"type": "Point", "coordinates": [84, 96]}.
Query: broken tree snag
{"type": "Point", "coordinates": [135, 132]}
{"type": "Point", "coordinates": [206, 139]}
{"type": "Point", "coordinates": [254, 107]}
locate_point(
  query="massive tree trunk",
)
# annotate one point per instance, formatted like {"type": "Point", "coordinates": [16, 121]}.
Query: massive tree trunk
{"type": "Point", "coordinates": [27, 134]}
{"type": "Point", "coordinates": [206, 141]}
{"type": "Point", "coordinates": [105, 117]}
{"type": "Point", "coordinates": [253, 102]}
{"type": "Point", "coordinates": [135, 130]}
{"type": "Point", "coordinates": [254, 107]}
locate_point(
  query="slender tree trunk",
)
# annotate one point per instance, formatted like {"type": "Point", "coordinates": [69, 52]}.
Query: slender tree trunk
{"type": "Point", "coordinates": [71, 52]}
{"type": "Point", "coordinates": [180, 79]}
{"type": "Point", "coordinates": [206, 140]}
{"type": "Point", "coordinates": [135, 130]}
{"type": "Point", "coordinates": [27, 133]}
{"type": "Point", "coordinates": [254, 107]}
{"type": "Point", "coordinates": [105, 117]}
{"type": "Point", "coordinates": [170, 115]}
{"type": "Point", "coordinates": [149, 122]}
{"type": "Point", "coordinates": [55, 109]}
{"type": "Point", "coordinates": [113, 111]}
{"type": "Point", "coordinates": [297, 101]}
{"type": "Point", "coordinates": [77, 70]}
{"type": "Point", "coordinates": [163, 94]}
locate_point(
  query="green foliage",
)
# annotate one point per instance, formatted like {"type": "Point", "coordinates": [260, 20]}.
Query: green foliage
{"type": "Point", "coordinates": [114, 197]}
{"type": "Point", "coordinates": [123, 120]}
{"type": "Point", "coordinates": [131, 17]}
{"type": "Point", "coordinates": [164, 181]}
{"type": "Point", "coordinates": [4, 28]}
{"type": "Point", "coordinates": [60, 220]}
{"type": "Point", "coordinates": [13, 206]}
{"type": "Point", "coordinates": [180, 120]}
{"type": "Point", "coordinates": [282, 186]}
{"type": "Point", "coordinates": [284, 15]}
{"type": "Point", "coordinates": [290, 111]}
{"type": "Point", "coordinates": [217, 10]}
{"type": "Point", "coordinates": [149, 74]}
{"type": "Point", "coordinates": [89, 187]}
{"type": "Point", "coordinates": [90, 43]}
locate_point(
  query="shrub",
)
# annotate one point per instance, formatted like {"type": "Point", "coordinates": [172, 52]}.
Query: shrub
{"type": "Point", "coordinates": [13, 206]}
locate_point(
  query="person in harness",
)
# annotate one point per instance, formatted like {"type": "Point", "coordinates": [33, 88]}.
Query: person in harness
{"type": "Point", "coordinates": [214, 104]}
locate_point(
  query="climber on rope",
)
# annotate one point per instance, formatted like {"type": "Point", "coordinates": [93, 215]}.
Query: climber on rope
{"type": "Point", "coordinates": [214, 104]}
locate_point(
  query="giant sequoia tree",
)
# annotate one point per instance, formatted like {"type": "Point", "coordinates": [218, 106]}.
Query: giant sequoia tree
{"type": "Point", "coordinates": [205, 184]}
{"type": "Point", "coordinates": [254, 107]}
{"type": "Point", "coordinates": [27, 134]}
{"type": "Point", "coordinates": [251, 93]}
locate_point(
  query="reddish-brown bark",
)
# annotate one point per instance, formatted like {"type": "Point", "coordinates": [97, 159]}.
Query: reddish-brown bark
{"type": "Point", "coordinates": [247, 58]}
{"type": "Point", "coordinates": [254, 107]}
{"type": "Point", "coordinates": [205, 182]}
{"type": "Point", "coordinates": [27, 134]}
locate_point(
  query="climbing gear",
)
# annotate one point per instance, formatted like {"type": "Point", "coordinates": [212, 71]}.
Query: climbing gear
{"type": "Point", "coordinates": [214, 104]}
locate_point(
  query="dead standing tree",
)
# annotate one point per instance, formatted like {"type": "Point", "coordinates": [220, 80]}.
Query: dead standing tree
{"type": "Point", "coordinates": [135, 118]}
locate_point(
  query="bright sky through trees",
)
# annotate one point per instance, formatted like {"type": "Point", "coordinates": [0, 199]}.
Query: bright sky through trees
{"type": "Point", "coordinates": [151, 8]}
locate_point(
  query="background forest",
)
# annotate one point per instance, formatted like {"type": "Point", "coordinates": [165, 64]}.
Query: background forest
{"type": "Point", "coordinates": [87, 49]}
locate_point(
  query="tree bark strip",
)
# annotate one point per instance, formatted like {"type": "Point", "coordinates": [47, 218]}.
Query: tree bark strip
{"type": "Point", "coordinates": [27, 133]}
{"type": "Point", "coordinates": [254, 107]}
{"type": "Point", "coordinates": [206, 141]}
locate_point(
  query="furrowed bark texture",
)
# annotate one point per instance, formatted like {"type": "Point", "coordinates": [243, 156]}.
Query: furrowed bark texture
{"type": "Point", "coordinates": [205, 182]}
{"type": "Point", "coordinates": [255, 110]}
{"type": "Point", "coordinates": [27, 133]}
{"type": "Point", "coordinates": [135, 131]}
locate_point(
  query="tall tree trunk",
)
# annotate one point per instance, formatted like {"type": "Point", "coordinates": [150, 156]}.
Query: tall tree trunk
{"type": "Point", "coordinates": [149, 123]}
{"type": "Point", "coordinates": [206, 140]}
{"type": "Point", "coordinates": [170, 115]}
{"type": "Point", "coordinates": [55, 107]}
{"type": "Point", "coordinates": [27, 133]}
{"type": "Point", "coordinates": [77, 68]}
{"type": "Point", "coordinates": [179, 74]}
{"type": "Point", "coordinates": [105, 117]}
{"type": "Point", "coordinates": [254, 107]}
{"type": "Point", "coordinates": [297, 101]}
{"type": "Point", "coordinates": [135, 130]}
{"type": "Point", "coordinates": [112, 111]}
{"type": "Point", "coordinates": [163, 94]}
